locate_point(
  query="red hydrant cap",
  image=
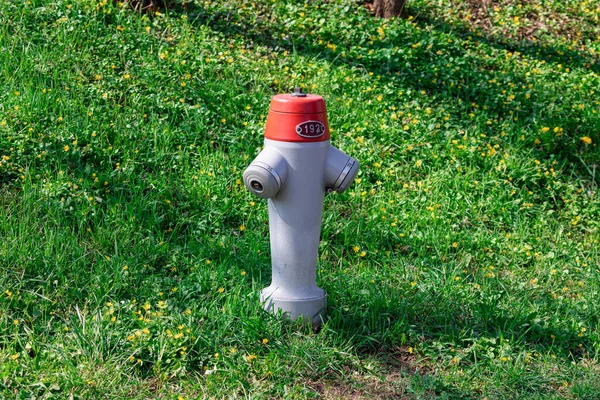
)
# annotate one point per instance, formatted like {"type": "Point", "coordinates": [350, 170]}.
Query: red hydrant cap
{"type": "Point", "coordinates": [297, 117]}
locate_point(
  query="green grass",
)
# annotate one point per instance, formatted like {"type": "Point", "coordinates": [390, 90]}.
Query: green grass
{"type": "Point", "coordinates": [462, 263]}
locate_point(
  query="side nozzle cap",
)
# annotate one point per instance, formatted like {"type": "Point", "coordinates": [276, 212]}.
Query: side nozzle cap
{"type": "Point", "coordinates": [346, 176]}
{"type": "Point", "coordinates": [340, 171]}
{"type": "Point", "coordinates": [262, 180]}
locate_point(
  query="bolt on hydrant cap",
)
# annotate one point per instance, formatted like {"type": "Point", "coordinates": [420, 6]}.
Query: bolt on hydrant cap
{"type": "Point", "coordinates": [298, 92]}
{"type": "Point", "coordinates": [298, 103]}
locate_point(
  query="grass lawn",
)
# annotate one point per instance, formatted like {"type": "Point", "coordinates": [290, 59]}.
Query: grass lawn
{"type": "Point", "coordinates": [462, 263]}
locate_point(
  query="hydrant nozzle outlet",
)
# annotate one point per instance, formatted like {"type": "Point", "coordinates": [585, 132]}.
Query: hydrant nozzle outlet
{"type": "Point", "coordinates": [266, 174]}
{"type": "Point", "coordinates": [340, 171]}
{"type": "Point", "coordinates": [295, 169]}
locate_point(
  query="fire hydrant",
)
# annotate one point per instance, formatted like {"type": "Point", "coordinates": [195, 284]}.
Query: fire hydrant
{"type": "Point", "coordinates": [295, 169]}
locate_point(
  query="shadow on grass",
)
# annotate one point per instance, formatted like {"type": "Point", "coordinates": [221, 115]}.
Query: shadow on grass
{"type": "Point", "coordinates": [461, 82]}
{"type": "Point", "coordinates": [384, 317]}
{"type": "Point", "coordinates": [557, 54]}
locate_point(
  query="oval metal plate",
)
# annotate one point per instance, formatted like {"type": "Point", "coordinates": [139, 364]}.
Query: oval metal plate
{"type": "Point", "coordinates": [310, 129]}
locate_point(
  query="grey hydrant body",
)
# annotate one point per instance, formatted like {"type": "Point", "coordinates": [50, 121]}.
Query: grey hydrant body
{"type": "Point", "coordinates": [294, 172]}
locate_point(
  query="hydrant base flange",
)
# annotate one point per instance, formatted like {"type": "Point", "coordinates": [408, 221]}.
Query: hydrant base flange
{"type": "Point", "coordinates": [313, 309]}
